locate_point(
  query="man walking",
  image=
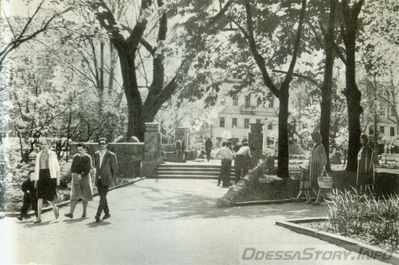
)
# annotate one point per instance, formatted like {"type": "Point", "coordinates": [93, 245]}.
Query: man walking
{"type": "Point", "coordinates": [226, 155]}
{"type": "Point", "coordinates": [106, 165]}
{"type": "Point", "coordinates": [243, 160]}
{"type": "Point", "coordinates": [208, 148]}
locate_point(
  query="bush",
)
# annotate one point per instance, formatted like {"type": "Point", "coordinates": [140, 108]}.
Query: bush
{"type": "Point", "coordinates": [354, 214]}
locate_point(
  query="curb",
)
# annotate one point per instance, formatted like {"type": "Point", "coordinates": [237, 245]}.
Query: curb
{"type": "Point", "coordinates": [341, 241]}
{"type": "Point", "coordinates": [64, 203]}
{"type": "Point", "coordinates": [265, 202]}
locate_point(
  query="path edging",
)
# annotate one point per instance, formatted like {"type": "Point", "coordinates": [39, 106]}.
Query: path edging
{"type": "Point", "coordinates": [64, 203]}
{"type": "Point", "coordinates": [344, 242]}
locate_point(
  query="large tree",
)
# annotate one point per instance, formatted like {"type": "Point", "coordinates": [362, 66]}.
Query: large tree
{"type": "Point", "coordinates": [349, 31]}
{"type": "Point", "coordinates": [279, 89]}
{"type": "Point", "coordinates": [151, 30]}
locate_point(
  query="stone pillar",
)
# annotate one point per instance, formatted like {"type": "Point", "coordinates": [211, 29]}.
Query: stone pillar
{"type": "Point", "coordinates": [152, 148]}
{"type": "Point", "coordinates": [255, 142]}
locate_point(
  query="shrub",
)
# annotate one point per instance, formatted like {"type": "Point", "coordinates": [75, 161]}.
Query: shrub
{"type": "Point", "coordinates": [351, 213]}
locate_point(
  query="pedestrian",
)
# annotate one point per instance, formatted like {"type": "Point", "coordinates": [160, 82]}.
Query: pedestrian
{"type": "Point", "coordinates": [208, 148]}
{"type": "Point", "coordinates": [226, 156]}
{"type": "Point", "coordinates": [28, 187]}
{"type": "Point", "coordinates": [106, 165]}
{"type": "Point", "coordinates": [81, 188]}
{"type": "Point", "coordinates": [365, 166]}
{"type": "Point", "coordinates": [243, 160]}
{"type": "Point", "coordinates": [317, 164]}
{"type": "Point", "coordinates": [47, 178]}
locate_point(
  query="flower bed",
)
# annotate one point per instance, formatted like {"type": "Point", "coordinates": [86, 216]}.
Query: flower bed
{"type": "Point", "coordinates": [365, 218]}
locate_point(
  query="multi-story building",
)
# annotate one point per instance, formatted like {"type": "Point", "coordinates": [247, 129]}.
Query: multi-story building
{"type": "Point", "coordinates": [233, 121]}
{"type": "Point", "coordinates": [387, 122]}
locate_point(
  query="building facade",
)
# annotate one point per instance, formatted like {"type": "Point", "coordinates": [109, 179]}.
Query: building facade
{"type": "Point", "coordinates": [233, 121]}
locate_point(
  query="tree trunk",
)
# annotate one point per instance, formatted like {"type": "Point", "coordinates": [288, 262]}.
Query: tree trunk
{"type": "Point", "coordinates": [351, 92]}
{"type": "Point", "coordinates": [134, 103]}
{"type": "Point", "coordinates": [283, 153]}
{"type": "Point", "coordinates": [325, 106]}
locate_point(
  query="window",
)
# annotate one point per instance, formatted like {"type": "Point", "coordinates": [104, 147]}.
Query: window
{"type": "Point", "coordinates": [259, 102]}
{"type": "Point", "coordinates": [270, 126]}
{"type": "Point", "coordinates": [234, 122]}
{"type": "Point", "coordinates": [235, 100]}
{"type": "Point", "coordinates": [258, 121]}
{"type": "Point", "coordinates": [247, 101]}
{"type": "Point", "coordinates": [371, 130]}
{"type": "Point", "coordinates": [392, 131]}
{"type": "Point", "coordinates": [246, 123]}
{"type": "Point", "coordinates": [382, 129]}
{"type": "Point", "coordinates": [221, 122]}
{"type": "Point", "coordinates": [271, 103]}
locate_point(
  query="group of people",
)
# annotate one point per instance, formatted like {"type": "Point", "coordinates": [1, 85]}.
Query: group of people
{"type": "Point", "coordinates": [365, 177]}
{"type": "Point", "coordinates": [43, 182]}
{"type": "Point", "coordinates": [242, 161]}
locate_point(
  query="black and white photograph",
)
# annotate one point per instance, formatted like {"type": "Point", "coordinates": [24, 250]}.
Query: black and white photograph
{"type": "Point", "coordinates": [199, 132]}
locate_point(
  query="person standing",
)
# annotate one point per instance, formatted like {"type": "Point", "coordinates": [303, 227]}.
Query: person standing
{"type": "Point", "coordinates": [208, 148]}
{"type": "Point", "coordinates": [226, 156]}
{"type": "Point", "coordinates": [81, 183]}
{"type": "Point", "coordinates": [243, 160]}
{"type": "Point", "coordinates": [106, 165]}
{"type": "Point", "coordinates": [317, 163]}
{"type": "Point", "coordinates": [365, 165]}
{"type": "Point", "coordinates": [47, 178]}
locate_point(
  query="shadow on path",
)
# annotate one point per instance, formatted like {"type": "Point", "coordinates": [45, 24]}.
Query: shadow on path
{"type": "Point", "coordinates": [181, 204]}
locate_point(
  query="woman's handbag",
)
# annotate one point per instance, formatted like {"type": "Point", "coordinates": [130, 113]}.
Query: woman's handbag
{"type": "Point", "coordinates": [325, 182]}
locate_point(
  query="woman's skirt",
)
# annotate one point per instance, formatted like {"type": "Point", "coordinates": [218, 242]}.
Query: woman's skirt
{"type": "Point", "coordinates": [46, 186]}
{"type": "Point", "coordinates": [81, 189]}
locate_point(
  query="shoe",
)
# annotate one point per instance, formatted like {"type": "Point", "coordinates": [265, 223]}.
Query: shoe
{"type": "Point", "coordinates": [37, 221]}
{"type": "Point", "coordinates": [308, 202]}
{"type": "Point", "coordinates": [316, 203]}
{"type": "Point", "coordinates": [56, 213]}
{"type": "Point", "coordinates": [83, 215]}
{"type": "Point", "coordinates": [20, 217]}
{"type": "Point", "coordinates": [97, 219]}
{"type": "Point", "coordinates": [106, 216]}
{"type": "Point", "coordinates": [69, 215]}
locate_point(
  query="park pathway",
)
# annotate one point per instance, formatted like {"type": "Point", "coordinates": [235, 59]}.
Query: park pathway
{"type": "Point", "coordinates": [155, 221]}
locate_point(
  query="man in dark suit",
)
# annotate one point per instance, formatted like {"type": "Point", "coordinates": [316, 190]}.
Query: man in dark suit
{"type": "Point", "coordinates": [106, 165]}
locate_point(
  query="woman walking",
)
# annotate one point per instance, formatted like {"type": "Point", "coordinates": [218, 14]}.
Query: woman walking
{"type": "Point", "coordinates": [317, 163]}
{"type": "Point", "coordinates": [365, 166]}
{"type": "Point", "coordinates": [47, 178]}
{"type": "Point", "coordinates": [81, 182]}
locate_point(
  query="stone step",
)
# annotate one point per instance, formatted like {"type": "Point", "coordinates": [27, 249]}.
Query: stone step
{"type": "Point", "coordinates": [188, 166]}
{"type": "Point", "coordinates": [189, 169]}
{"type": "Point", "coordinates": [190, 173]}
{"type": "Point", "coordinates": [182, 176]}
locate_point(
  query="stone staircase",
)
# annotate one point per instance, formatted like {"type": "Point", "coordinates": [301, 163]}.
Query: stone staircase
{"type": "Point", "coordinates": [187, 171]}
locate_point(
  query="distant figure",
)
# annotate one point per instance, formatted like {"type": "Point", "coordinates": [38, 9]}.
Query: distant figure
{"type": "Point", "coordinates": [243, 160]}
{"type": "Point", "coordinates": [317, 163]}
{"type": "Point", "coordinates": [208, 148]}
{"type": "Point", "coordinates": [47, 178]}
{"type": "Point", "coordinates": [226, 156]}
{"type": "Point", "coordinates": [365, 166]}
{"type": "Point", "coordinates": [106, 165]}
{"type": "Point", "coordinates": [81, 183]}
{"type": "Point", "coordinates": [28, 187]}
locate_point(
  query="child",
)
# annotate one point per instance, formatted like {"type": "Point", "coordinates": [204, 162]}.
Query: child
{"type": "Point", "coordinates": [28, 187]}
{"type": "Point", "coordinates": [304, 186]}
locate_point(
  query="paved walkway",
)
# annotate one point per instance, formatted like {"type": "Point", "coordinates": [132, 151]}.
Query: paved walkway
{"type": "Point", "coordinates": [159, 222]}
